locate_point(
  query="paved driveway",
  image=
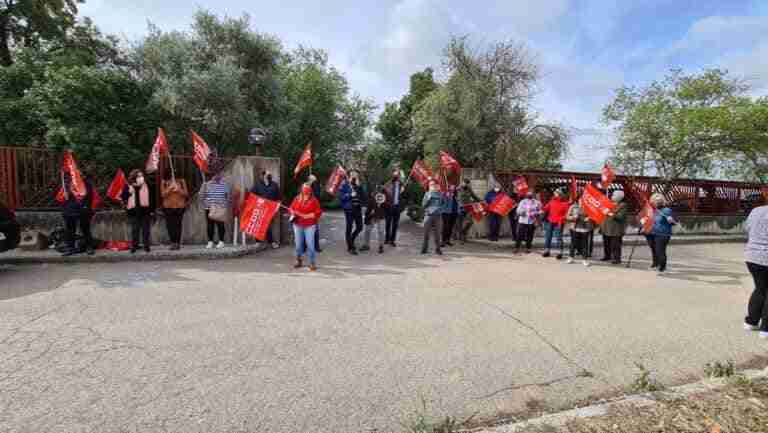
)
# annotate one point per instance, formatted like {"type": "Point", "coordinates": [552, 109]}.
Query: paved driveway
{"type": "Point", "coordinates": [252, 345]}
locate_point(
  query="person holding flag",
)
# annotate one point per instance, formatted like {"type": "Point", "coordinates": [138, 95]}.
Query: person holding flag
{"type": "Point", "coordinates": [175, 196]}
{"type": "Point", "coordinates": [494, 219]}
{"type": "Point", "coordinates": [661, 232]}
{"type": "Point", "coordinates": [394, 190]}
{"type": "Point", "coordinates": [140, 206]}
{"type": "Point", "coordinates": [266, 187]}
{"type": "Point", "coordinates": [352, 197]}
{"type": "Point", "coordinates": [528, 212]}
{"type": "Point", "coordinates": [305, 213]}
{"type": "Point", "coordinates": [466, 196]}
{"type": "Point", "coordinates": [77, 211]}
{"type": "Point", "coordinates": [614, 228]}
{"type": "Point", "coordinates": [580, 226]}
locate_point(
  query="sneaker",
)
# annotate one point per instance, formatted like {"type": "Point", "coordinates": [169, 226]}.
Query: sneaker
{"type": "Point", "coordinates": [353, 252]}
{"type": "Point", "coordinates": [546, 254]}
{"type": "Point", "coordinates": [209, 246]}
{"type": "Point", "coordinates": [570, 260]}
{"type": "Point", "coordinates": [381, 249]}
{"type": "Point", "coordinates": [653, 267]}
{"type": "Point", "coordinates": [220, 245]}
{"type": "Point", "coordinates": [298, 264]}
{"type": "Point", "coordinates": [586, 263]}
{"type": "Point", "coordinates": [90, 251]}
{"type": "Point", "coordinates": [559, 257]}
{"type": "Point", "coordinates": [312, 268]}
{"type": "Point", "coordinates": [365, 248]}
{"type": "Point", "coordinates": [424, 251]}
{"type": "Point", "coordinates": [439, 252]}
{"type": "Point", "coordinates": [763, 335]}
{"type": "Point", "coordinates": [275, 245]}
{"type": "Point", "coordinates": [660, 273]}
{"type": "Point", "coordinates": [748, 327]}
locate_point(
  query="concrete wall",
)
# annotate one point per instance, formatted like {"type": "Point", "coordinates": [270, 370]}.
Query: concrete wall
{"type": "Point", "coordinates": [113, 225]}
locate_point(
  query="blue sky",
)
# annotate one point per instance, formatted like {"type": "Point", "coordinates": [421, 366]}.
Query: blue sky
{"type": "Point", "coordinates": [586, 48]}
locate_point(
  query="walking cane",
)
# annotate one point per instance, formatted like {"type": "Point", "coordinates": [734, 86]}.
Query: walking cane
{"type": "Point", "coordinates": [632, 252]}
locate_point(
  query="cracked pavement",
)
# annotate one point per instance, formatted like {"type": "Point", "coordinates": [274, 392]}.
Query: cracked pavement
{"type": "Point", "coordinates": [251, 345]}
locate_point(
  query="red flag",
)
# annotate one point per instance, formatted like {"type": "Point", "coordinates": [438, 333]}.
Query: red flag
{"type": "Point", "coordinates": [574, 189]}
{"type": "Point", "coordinates": [257, 215]}
{"type": "Point", "coordinates": [596, 204]}
{"type": "Point", "coordinates": [201, 150]}
{"type": "Point", "coordinates": [96, 201]}
{"type": "Point", "coordinates": [449, 163]}
{"type": "Point", "coordinates": [158, 149]}
{"type": "Point", "coordinates": [304, 161]}
{"type": "Point", "coordinates": [477, 210]}
{"type": "Point", "coordinates": [334, 182]}
{"type": "Point", "coordinates": [421, 173]}
{"type": "Point", "coordinates": [69, 166]}
{"type": "Point", "coordinates": [61, 197]}
{"type": "Point", "coordinates": [647, 217]}
{"type": "Point", "coordinates": [117, 186]}
{"type": "Point", "coordinates": [607, 177]}
{"type": "Point", "coordinates": [521, 186]}
{"type": "Point", "coordinates": [502, 204]}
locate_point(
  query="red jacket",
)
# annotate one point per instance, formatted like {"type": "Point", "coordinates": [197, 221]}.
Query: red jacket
{"type": "Point", "coordinates": [306, 207]}
{"type": "Point", "coordinates": [558, 210]}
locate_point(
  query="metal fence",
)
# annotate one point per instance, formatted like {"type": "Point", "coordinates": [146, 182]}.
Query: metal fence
{"type": "Point", "coordinates": [685, 196]}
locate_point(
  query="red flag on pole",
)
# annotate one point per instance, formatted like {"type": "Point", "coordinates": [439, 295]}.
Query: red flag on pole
{"type": "Point", "coordinates": [449, 163]}
{"type": "Point", "coordinates": [334, 182]}
{"type": "Point", "coordinates": [421, 173]}
{"type": "Point", "coordinates": [257, 215]}
{"type": "Point", "coordinates": [117, 186]}
{"type": "Point", "coordinates": [647, 217]}
{"type": "Point", "coordinates": [574, 189]}
{"type": "Point", "coordinates": [69, 166]}
{"type": "Point", "coordinates": [96, 201]}
{"type": "Point", "coordinates": [202, 152]}
{"type": "Point", "coordinates": [477, 210]}
{"type": "Point", "coordinates": [607, 176]}
{"type": "Point", "coordinates": [158, 149]}
{"type": "Point", "coordinates": [304, 161]}
{"type": "Point", "coordinates": [61, 196]}
{"type": "Point", "coordinates": [502, 204]}
{"type": "Point", "coordinates": [521, 186]}
{"type": "Point", "coordinates": [596, 204]}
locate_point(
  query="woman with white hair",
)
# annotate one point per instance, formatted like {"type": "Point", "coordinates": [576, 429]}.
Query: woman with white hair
{"type": "Point", "coordinates": [661, 233]}
{"type": "Point", "coordinates": [613, 228]}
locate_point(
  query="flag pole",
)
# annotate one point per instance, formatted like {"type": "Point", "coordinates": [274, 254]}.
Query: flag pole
{"type": "Point", "coordinates": [170, 163]}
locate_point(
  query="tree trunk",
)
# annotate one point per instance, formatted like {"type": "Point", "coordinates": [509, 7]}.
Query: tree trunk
{"type": "Point", "coordinates": [5, 49]}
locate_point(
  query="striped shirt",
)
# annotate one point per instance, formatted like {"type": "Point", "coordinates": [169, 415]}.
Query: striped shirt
{"type": "Point", "coordinates": [216, 194]}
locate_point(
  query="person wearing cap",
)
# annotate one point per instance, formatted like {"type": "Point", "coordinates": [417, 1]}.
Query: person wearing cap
{"type": "Point", "coordinates": [557, 211]}
{"type": "Point", "coordinates": [528, 212]}
{"type": "Point", "coordinates": [466, 196]}
{"type": "Point", "coordinates": [394, 190]}
{"type": "Point", "coordinates": [305, 213]}
{"type": "Point", "coordinates": [316, 191]}
{"type": "Point", "coordinates": [267, 188]}
{"type": "Point", "coordinates": [432, 203]}
{"type": "Point", "coordinates": [613, 228]}
{"type": "Point", "coordinates": [494, 219]}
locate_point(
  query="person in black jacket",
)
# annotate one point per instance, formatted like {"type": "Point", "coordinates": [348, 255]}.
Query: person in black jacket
{"type": "Point", "coordinates": [77, 212]}
{"type": "Point", "coordinates": [267, 188]}
{"type": "Point", "coordinates": [316, 191]}
{"type": "Point", "coordinates": [375, 217]}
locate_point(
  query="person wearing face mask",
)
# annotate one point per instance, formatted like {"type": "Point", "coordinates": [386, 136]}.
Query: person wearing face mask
{"type": "Point", "coordinates": [305, 213]}
{"type": "Point", "coordinates": [432, 203]}
{"type": "Point", "coordinates": [175, 195]}
{"type": "Point", "coordinates": [528, 212]}
{"type": "Point", "coordinates": [466, 196]}
{"type": "Point", "coordinates": [140, 207]}
{"type": "Point", "coordinates": [394, 190]}
{"type": "Point", "coordinates": [267, 188]}
{"type": "Point", "coordinates": [494, 220]}
{"type": "Point", "coordinates": [613, 228]}
{"type": "Point", "coordinates": [352, 198]}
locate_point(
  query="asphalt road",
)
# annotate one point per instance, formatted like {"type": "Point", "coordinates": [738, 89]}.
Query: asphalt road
{"type": "Point", "coordinates": [252, 345]}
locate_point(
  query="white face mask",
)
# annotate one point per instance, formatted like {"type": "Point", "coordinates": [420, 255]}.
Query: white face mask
{"type": "Point", "coordinates": [140, 180]}
{"type": "Point", "coordinates": [497, 189]}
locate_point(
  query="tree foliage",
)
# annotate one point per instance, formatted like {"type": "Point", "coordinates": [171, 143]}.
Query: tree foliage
{"type": "Point", "coordinates": [31, 22]}
{"type": "Point", "coordinates": [690, 125]}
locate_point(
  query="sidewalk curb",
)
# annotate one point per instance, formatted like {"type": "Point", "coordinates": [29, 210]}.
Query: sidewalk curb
{"type": "Point", "coordinates": [561, 419]}
{"type": "Point", "coordinates": [124, 256]}
{"type": "Point", "coordinates": [628, 241]}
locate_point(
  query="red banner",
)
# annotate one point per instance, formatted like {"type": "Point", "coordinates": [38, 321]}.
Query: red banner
{"type": "Point", "coordinates": [257, 215]}
{"type": "Point", "coordinates": [117, 186]}
{"type": "Point", "coordinates": [449, 163]}
{"type": "Point", "coordinates": [158, 150]}
{"type": "Point", "coordinates": [521, 186]}
{"type": "Point", "coordinates": [304, 161]}
{"type": "Point", "coordinates": [421, 173]}
{"type": "Point", "coordinates": [596, 204]}
{"type": "Point", "coordinates": [96, 201]}
{"type": "Point", "coordinates": [69, 166]}
{"type": "Point", "coordinates": [202, 152]}
{"type": "Point", "coordinates": [502, 204]}
{"type": "Point", "coordinates": [477, 210]}
{"type": "Point", "coordinates": [607, 176]}
{"type": "Point", "coordinates": [334, 182]}
{"type": "Point", "coordinates": [647, 217]}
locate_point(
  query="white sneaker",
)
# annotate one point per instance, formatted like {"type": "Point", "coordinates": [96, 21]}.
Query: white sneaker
{"type": "Point", "coordinates": [586, 263]}
{"type": "Point", "coordinates": [209, 246]}
{"type": "Point", "coordinates": [660, 273]}
{"type": "Point", "coordinates": [763, 335]}
{"type": "Point", "coordinates": [275, 245]}
{"type": "Point", "coordinates": [748, 327]}
{"type": "Point", "coordinates": [570, 260]}
{"type": "Point", "coordinates": [220, 245]}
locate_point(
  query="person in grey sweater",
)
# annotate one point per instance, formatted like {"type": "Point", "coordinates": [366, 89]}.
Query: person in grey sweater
{"type": "Point", "coordinates": [756, 256]}
{"type": "Point", "coordinates": [433, 203]}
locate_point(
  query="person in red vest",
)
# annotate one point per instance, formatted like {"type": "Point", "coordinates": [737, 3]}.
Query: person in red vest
{"type": "Point", "coordinates": [557, 211]}
{"type": "Point", "coordinates": [305, 214]}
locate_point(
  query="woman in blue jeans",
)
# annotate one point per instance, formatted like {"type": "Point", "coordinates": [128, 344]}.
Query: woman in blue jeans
{"type": "Point", "coordinates": [305, 213]}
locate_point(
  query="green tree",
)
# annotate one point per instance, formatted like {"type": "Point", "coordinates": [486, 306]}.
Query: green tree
{"type": "Point", "coordinates": [30, 22]}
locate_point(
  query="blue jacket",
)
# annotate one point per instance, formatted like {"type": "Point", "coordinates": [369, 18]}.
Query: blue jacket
{"type": "Point", "coordinates": [662, 226]}
{"type": "Point", "coordinates": [491, 196]}
{"type": "Point", "coordinates": [433, 203]}
{"type": "Point", "coordinates": [450, 204]}
{"type": "Point", "coordinates": [345, 196]}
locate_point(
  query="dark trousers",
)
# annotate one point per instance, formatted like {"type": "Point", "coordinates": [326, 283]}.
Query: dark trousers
{"type": "Point", "coordinates": [757, 308]}
{"type": "Point", "coordinates": [432, 225]}
{"type": "Point", "coordinates": [449, 222]}
{"type": "Point", "coordinates": [612, 248]}
{"type": "Point", "coordinates": [465, 223]}
{"type": "Point", "coordinates": [84, 221]}
{"type": "Point", "coordinates": [317, 237]}
{"type": "Point", "coordinates": [579, 244]}
{"type": "Point", "coordinates": [513, 224]}
{"type": "Point", "coordinates": [494, 225]}
{"type": "Point", "coordinates": [213, 226]}
{"type": "Point", "coordinates": [525, 234]}
{"type": "Point", "coordinates": [140, 224]}
{"type": "Point", "coordinates": [354, 218]}
{"type": "Point", "coordinates": [658, 245]}
{"type": "Point", "coordinates": [590, 243]}
{"type": "Point", "coordinates": [392, 223]}
{"type": "Point", "coordinates": [173, 222]}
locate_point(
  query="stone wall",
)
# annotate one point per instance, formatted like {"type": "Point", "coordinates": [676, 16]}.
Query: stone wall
{"type": "Point", "coordinates": [113, 225]}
